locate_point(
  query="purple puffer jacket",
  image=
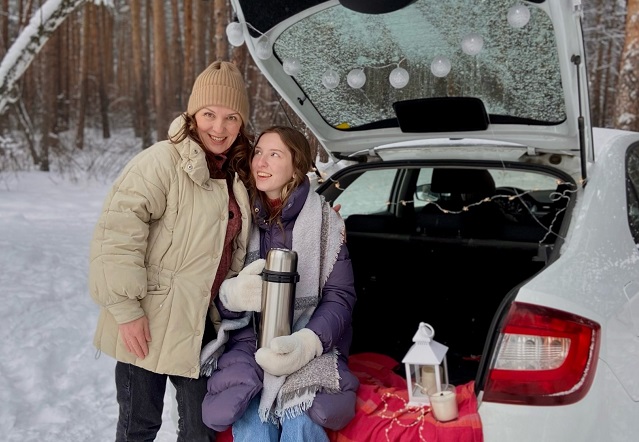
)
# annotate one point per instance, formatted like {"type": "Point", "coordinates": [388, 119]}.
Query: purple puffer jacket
{"type": "Point", "coordinates": [238, 378]}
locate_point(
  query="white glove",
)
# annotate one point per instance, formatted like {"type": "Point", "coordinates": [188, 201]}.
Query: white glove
{"type": "Point", "coordinates": [287, 354]}
{"type": "Point", "coordinates": [244, 292]}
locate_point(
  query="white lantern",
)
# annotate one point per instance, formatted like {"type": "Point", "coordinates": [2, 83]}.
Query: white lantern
{"type": "Point", "coordinates": [440, 67]}
{"type": "Point", "coordinates": [330, 79]}
{"type": "Point", "coordinates": [292, 66]}
{"type": "Point", "coordinates": [356, 78]}
{"type": "Point", "coordinates": [398, 77]}
{"type": "Point", "coordinates": [472, 44]}
{"type": "Point", "coordinates": [234, 33]}
{"type": "Point", "coordinates": [426, 365]}
{"type": "Point", "coordinates": [263, 48]}
{"type": "Point", "coordinates": [518, 16]}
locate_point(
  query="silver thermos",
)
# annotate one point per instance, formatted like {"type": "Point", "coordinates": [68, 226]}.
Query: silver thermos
{"type": "Point", "coordinates": [278, 295]}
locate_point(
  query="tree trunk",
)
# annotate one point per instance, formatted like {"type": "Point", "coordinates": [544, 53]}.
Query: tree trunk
{"type": "Point", "coordinates": [177, 60]}
{"type": "Point", "coordinates": [597, 90]}
{"type": "Point", "coordinates": [627, 103]}
{"type": "Point", "coordinates": [49, 141]}
{"type": "Point", "coordinates": [159, 70]}
{"type": "Point", "coordinates": [199, 36]}
{"type": "Point", "coordinates": [4, 27]}
{"type": "Point", "coordinates": [104, 67]}
{"type": "Point", "coordinates": [84, 73]}
{"type": "Point", "coordinates": [221, 19]}
{"type": "Point", "coordinates": [28, 130]}
{"type": "Point", "coordinates": [188, 71]}
{"type": "Point", "coordinates": [140, 85]}
{"type": "Point", "coordinates": [65, 88]}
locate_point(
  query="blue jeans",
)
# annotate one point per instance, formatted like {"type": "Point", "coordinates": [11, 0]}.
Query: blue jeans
{"type": "Point", "coordinates": [249, 428]}
{"type": "Point", "coordinates": [140, 394]}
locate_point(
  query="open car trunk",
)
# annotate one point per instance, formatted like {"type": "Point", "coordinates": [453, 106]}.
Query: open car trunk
{"type": "Point", "coordinates": [456, 268]}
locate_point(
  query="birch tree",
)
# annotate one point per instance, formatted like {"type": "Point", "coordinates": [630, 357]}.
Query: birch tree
{"type": "Point", "coordinates": [29, 43]}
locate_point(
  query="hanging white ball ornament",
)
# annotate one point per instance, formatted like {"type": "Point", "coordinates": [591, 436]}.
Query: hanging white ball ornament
{"type": "Point", "coordinates": [440, 67]}
{"type": "Point", "coordinates": [398, 77]}
{"type": "Point", "coordinates": [518, 16]}
{"type": "Point", "coordinates": [330, 79]}
{"type": "Point", "coordinates": [356, 78]}
{"type": "Point", "coordinates": [263, 48]}
{"type": "Point", "coordinates": [472, 44]}
{"type": "Point", "coordinates": [292, 66]}
{"type": "Point", "coordinates": [234, 33]}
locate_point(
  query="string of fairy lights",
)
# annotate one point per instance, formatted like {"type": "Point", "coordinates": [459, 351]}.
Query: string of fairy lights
{"type": "Point", "coordinates": [420, 418]}
{"type": "Point", "coordinates": [568, 189]}
{"type": "Point", "coordinates": [471, 44]}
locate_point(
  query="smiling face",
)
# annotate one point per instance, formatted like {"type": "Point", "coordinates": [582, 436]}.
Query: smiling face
{"type": "Point", "coordinates": [218, 127]}
{"type": "Point", "coordinates": [272, 165]}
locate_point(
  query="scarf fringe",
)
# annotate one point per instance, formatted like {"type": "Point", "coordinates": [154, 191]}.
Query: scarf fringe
{"type": "Point", "coordinates": [214, 349]}
{"type": "Point", "coordinates": [266, 416]}
{"type": "Point", "coordinates": [209, 367]}
{"type": "Point", "coordinates": [297, 410]}
{"type": "Point", "coordinates": [309, 390]}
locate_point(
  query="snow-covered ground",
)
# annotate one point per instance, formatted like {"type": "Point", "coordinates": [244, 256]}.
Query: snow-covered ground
{"type": "Point", "coordinates": [52, 386]}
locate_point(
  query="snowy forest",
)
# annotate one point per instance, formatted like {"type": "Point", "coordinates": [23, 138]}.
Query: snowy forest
{"type": "Point", "coordinates": [74, 72]}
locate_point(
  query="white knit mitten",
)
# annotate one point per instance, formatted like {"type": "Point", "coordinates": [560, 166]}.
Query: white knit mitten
{"type": "Point", "coordinates": [244, 292]}
{"type": "Point", "coordinates": [287, 354]}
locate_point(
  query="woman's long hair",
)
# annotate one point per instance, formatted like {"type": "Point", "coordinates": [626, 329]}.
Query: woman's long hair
{"type": "Point", "coordinates": [238, 160]}
{"type": "Point", "coordinates": [302, 164]}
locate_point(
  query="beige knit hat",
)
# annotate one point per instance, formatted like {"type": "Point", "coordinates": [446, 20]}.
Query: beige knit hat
{"type": "Point", "coordinates": [221, 84]}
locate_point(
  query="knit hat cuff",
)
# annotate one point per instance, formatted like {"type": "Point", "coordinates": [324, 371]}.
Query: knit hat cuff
{"type": "Point", "coordinates": [224, 96]}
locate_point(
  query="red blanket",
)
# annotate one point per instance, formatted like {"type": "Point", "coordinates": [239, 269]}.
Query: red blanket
{"type": "Point", "coordinates": [382, 414]}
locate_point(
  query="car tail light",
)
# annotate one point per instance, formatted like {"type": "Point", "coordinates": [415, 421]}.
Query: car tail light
{"type": "Point", "coordinates": [544, 357]}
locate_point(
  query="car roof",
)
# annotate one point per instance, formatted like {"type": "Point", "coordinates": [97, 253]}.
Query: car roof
{"type": "Point", "coordinates": [508, 72]}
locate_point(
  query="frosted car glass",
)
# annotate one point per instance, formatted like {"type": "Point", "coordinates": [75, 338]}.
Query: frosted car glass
{"type": "Point", "coordinates": [515, 73]}
{"type": "Point", "coordinates": [369, 193]}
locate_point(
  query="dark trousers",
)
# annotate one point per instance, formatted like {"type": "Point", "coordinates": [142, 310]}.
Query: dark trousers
{"type": "Point", "coordinates": [140, 395]}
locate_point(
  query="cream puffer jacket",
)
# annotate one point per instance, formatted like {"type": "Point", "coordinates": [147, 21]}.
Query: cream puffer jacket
{"type": "Point", "coordinates": [155, 252]}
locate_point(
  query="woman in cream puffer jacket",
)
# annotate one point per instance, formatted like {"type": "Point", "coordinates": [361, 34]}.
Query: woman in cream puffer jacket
{"type": "Point", "coordinates": [173, 227]}
{"type": "Point", "coordinates": [149, 258]}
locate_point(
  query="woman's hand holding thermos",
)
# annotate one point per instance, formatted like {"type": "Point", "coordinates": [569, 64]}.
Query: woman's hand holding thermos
{"type": "Point", "coordinates": [244, 292]}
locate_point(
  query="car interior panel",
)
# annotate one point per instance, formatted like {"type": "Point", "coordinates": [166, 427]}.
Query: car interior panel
{"type": "Point", "coordinates": [468, 248]}
{"type": "Point", "coordinates": [458, 189]}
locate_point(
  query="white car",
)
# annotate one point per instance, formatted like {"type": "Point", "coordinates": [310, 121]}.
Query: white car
{"type": "Point", "coordinates": [477, 197]}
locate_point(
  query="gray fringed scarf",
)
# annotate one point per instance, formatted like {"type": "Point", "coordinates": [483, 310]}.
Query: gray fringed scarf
{"type": "Point", "coordinates": [214, 349]}
{"type": "Point", "coordinates": [318, 235]}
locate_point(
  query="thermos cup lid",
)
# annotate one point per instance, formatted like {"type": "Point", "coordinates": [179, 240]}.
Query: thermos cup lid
{"type": "Point", "coordinates": [281, 260]}
{"type": "Point", "coordinates": [281, 266]}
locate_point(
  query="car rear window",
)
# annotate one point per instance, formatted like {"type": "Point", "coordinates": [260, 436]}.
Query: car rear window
{"type": "Point", "coordinates": [515, 73]}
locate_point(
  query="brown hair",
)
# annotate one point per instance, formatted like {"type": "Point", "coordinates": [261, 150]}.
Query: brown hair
{"type": "Point", "coordinates": [302, 164]}
{"type": "Point", "coordinates": [237, 156]}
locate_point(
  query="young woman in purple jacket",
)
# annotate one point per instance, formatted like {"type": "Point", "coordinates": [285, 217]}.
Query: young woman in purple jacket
{"type": "Point", "coordinates": [295, 386]}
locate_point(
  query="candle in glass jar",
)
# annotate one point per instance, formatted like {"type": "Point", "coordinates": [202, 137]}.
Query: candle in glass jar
{"type": "Point", "coordinates": [443, 403]}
